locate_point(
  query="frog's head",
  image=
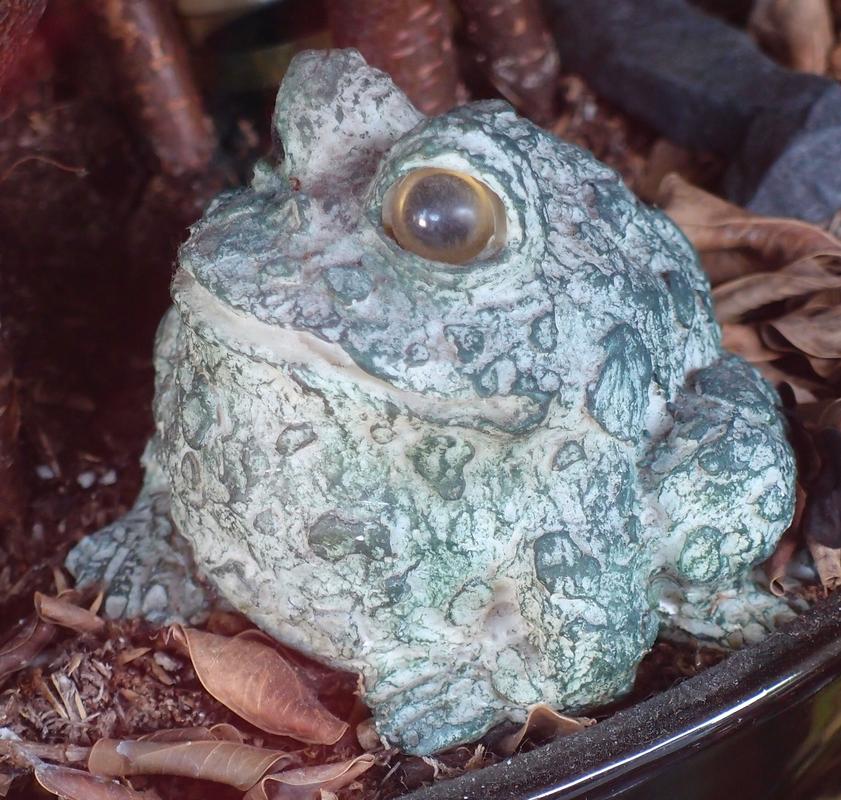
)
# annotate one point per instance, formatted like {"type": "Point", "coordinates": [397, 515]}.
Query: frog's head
{"type": "Point", "coordinates": [417, 249]}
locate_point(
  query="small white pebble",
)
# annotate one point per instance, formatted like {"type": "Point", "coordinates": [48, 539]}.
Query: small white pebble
{"type": "Point", "coordinates": [166, 661]}
{"type": "Point", "coordinates": [86, 479]}
{"type": "Point", "coordinates": [109, 478]}
{"type": "Point", "coordinates": [44, 472]}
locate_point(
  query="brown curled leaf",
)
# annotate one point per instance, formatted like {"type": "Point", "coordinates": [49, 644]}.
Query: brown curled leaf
{"type": "Point", "coordinates": [542, 723]}
{"type": "Point", "coordinates": [830, 415]}
{"type": "Point", "coordinates": [812, 330]}
{"type": "Point", "coordinates": [799, 32]}
{"type": "Point", "coordinates": [827, 563]}
{"type": "Point", "coordinates": [750, 292]}
{"type": "Point", "coordinates": [711, 223]}
{"type": "Point", "coordinates": [246, 674]}
{"type": "Point", "coordinates": [222, 732]}
{"type": "Point", "coordinates": [75, 784]}
{"type": "Point", "coordinates": [19, 652]}
{"type": "Point", "coordinates": [745, 341]}
{"type": "Point", "coordinates": [231, 763]}
{"type": "Point", "coordinates": [307, 783]}
{"type": "Point", "coordinates": [59, 611]}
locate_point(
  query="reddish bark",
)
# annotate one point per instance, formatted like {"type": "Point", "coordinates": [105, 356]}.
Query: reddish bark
{"type": "Point", "coordinates": [512, 45]}
{"type": "Point", "coordinates": [153, 62]}
{"type": "Point", "coordinates": [409, 39]}
{"type": "Point", "coordinates": [18, 19]}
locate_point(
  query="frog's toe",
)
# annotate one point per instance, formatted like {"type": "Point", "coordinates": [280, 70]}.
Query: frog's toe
{"type": "Point", "coordinates": [431, 715]}
{"type": "Point", "coordinates": [738, 614]}
{"type": "Point", "coordinates": [143, 565]}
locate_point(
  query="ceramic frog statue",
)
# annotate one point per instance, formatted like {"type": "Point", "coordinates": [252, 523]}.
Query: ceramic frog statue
{"type": "Point", "coordinates": [439, 401]}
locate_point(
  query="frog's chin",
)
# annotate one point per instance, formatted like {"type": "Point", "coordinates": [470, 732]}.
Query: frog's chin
{"type": "Point", "coordinates": [325, 364]}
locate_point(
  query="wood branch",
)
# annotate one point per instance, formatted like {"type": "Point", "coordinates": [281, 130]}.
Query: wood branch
{"type": "Point", "coordinates": [409, 39]}
{"type": "Point", "coordinates": [152, 60]}
{"type": "Point", "coordinates": [512, 46]}
{"type": "Point", "coordinates": [18, 19]}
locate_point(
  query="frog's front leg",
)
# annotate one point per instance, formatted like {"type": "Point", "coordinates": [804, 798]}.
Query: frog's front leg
{"type": "Point", "coordinates": [142, 563]}
{"type": "Point", "coordinates": [721, 484]}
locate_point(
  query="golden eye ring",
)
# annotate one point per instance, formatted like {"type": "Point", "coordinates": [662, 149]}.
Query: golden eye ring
{"type": "Point", "coordinates": [444, 215]}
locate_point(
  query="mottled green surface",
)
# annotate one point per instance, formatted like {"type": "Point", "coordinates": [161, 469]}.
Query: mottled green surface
{"type": "Point", "coordinates": [468, 483]}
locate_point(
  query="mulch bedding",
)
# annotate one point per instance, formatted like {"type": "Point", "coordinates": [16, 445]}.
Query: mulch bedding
{"type": "Point", "coordinates": [89, 235]}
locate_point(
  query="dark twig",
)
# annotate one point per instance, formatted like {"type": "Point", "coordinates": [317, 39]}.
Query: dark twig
{"type": "Point", "coordinates": [512, 45]}
{"type": "Point", "coordinates": [153, 62]}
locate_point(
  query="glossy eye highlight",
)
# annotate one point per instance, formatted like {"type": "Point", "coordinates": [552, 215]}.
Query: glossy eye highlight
{"type": "Point", "coordinates": [443, 215]}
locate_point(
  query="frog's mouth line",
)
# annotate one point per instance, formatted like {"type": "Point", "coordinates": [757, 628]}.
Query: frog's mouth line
{"type": "Point", "coordinates": [326, 363]}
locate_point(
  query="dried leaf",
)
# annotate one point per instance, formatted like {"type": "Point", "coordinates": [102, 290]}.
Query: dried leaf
{"type": "Point", "coordinates": [223, 732]}
{"type": "Point", "coordinates": [60, 611]}
{"type": "Point", "coordinates": [745, 341]}
{"type": "Point", "coordinates": [664, 157]}
{"type": "Point", "coordinates": [132, 654]}
{"type": "Point", "coordinates": [711, 223]}
{"type": "Point", "coordinates": [19, 652]}
{"type": "Point", "coordinates": [232, 763]}
{"type": "Point", "coordinates": [805, 390]}
{"type": "Point", "coordinates": [800, 32]}
{"type": "Point", "coordinates": [307, 783]}
{"type": "Point", "coordinates": [541, 724]}
{"type": "Point", "coordinates": [827, 368]}
{"type": "Point", "coordinates": [830, 415]}
{"type": "Point", "coordinates": [827, 563]}
{"type": "Point", "coordinates": [250, 677]}
{"type": "Point", "coordinates": [75, 784]}
{"type": "Point", "coordinates": [811, 330]}
{"type": "Point", "coordinates": [750, 292]}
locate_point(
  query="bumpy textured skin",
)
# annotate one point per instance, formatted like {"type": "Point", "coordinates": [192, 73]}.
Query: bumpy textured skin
{"type": "Point", "coordinates": [467, 483]}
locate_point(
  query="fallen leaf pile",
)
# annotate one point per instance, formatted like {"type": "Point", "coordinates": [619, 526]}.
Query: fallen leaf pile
{"type": "Point", "coordinates": [777, 294]}
{"type": "Point", "coordinates": [245, 673]}
{"type": "Point", "coordinates": [776, 287]}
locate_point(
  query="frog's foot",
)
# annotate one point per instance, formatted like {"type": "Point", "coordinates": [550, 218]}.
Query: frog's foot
{"type": "Point", "coordinates": [438, 711]}
{"type": "Point", "coordinates": [723, 477]}
{"type": "Point", "coordinates": [144, 565]}
{"type": "Point", "coordinates": [739, 614]}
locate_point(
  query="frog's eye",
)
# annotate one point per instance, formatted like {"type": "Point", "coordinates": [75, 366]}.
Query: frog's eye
{"type": "Point", "coordinates": [444, 215]}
